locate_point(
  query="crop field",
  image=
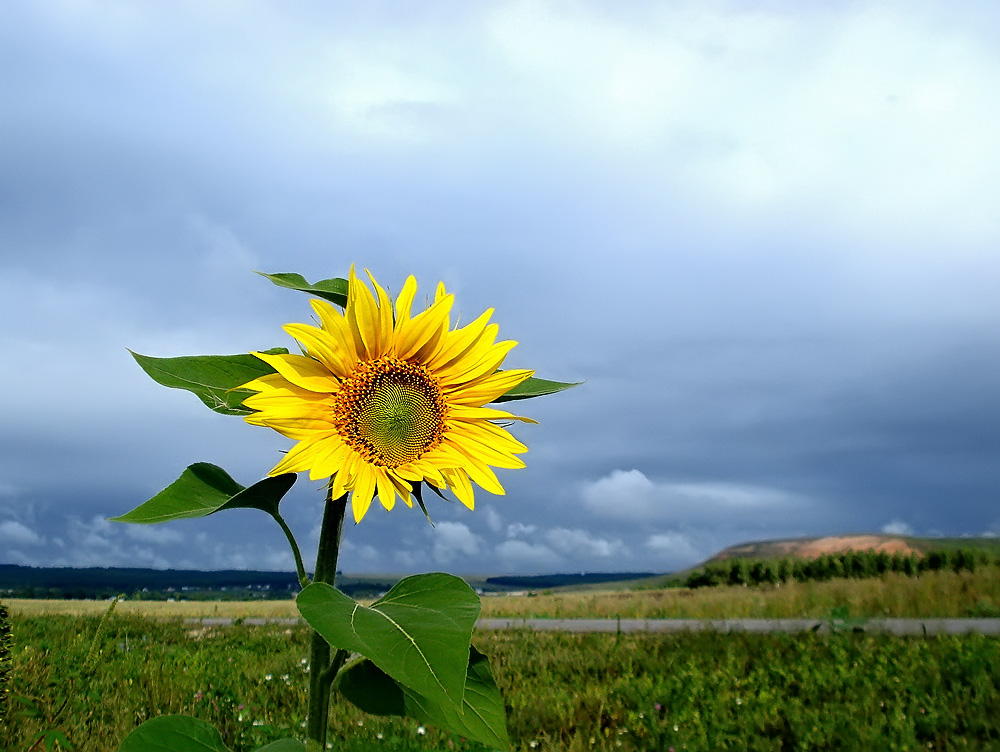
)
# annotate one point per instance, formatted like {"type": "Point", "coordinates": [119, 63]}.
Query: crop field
{"type": "Point", "coordinates": [687, 691]}
{"type": "Point", "coordinates": [698, 691]}
{"type": "Point", "coordinates": [933, 594]}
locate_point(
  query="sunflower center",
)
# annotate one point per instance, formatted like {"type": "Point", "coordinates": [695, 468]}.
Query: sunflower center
{"type": "Point", "coordinates": [390, 411]}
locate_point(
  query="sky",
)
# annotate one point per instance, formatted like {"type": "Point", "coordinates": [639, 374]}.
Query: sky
{"type": "Point", "coordinates": [763, 234]}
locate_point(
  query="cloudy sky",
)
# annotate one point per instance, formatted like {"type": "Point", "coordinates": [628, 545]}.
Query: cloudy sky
{"type": "Point", "coordinates": [766, 236]}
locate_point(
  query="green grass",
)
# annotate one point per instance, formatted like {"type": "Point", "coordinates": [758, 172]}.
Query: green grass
{"type": "Point", "coordinates": [932, 594]}
{"type": "Point", "coordinates": [693, 691]}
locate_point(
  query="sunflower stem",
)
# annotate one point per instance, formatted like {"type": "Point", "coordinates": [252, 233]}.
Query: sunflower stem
{"type": "Point", "coordinates": [323, 670]}
{"type": "Point", "coordinates": [299, 568]}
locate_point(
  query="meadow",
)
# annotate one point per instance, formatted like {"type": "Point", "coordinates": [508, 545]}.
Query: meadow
{"type": "Point", "coordinates": [933, 594]}
{"type": "Point", "coordinates": [687, 691]}
{"type": "Point", "coordinates": [691, 691]}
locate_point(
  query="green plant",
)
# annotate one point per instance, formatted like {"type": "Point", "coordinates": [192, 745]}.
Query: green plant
{"type": "Point", "coordinates": [5, 646]}
{"type": "Point", "coordinates": [382, 404]}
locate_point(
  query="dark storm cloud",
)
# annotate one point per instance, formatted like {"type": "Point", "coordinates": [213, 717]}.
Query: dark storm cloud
{"type": "Point", "coordinates": [768, 249]}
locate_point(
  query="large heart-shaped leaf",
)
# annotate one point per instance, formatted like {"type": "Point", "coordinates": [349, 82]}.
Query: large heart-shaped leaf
{"type": "Point", "coordinates": [532, 387]}
{"type": "Point", "coordinates": [174, 733]}
{"type": "Point", "coordinates": [334, 290]}
{"type": "Point", "coordinates": [213, 378]}
{"type": "Point", "coordinates": [204, 489]}
{"type": "Point", "coordinates": [182, 733]}
{"type": "Point", "coordinates": [419, 633]}
{"type": "Point", "coordinates": [483, 719]}
{"type": "Point", "coordinates": [283, 745]}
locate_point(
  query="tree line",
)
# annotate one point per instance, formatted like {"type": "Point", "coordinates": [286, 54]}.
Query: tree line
{"type": "Point", "coordinates": [848, 564]}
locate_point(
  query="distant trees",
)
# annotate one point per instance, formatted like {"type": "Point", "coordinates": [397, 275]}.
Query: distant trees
{"type": "Point", "coordinates": [849, 564]}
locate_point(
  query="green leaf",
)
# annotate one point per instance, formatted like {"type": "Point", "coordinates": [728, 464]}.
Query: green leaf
{"type": "Point", "coordinates": [213, 378]}
{"type": "Point", "coordinates": [533, 387]}
{"type": "Point", "coordinates": [334, 290]}
{"type": "Point", "coordinates": [418, 633]}
{"type": "Point", "coordinates": [204, 489]}
{"type": "Point", "coordinates": [483, 720]}
{"type": "Point", "coordinates": [283, 745]}
{"type": "Point", "coordinates": [174, 733]}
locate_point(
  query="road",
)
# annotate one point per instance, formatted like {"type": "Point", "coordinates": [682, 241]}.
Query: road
{"type": "Point", "coordinates": [893, 626]}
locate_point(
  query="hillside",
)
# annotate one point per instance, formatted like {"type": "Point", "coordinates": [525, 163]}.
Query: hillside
{"type": "Point", "coordinates": [812, 548]}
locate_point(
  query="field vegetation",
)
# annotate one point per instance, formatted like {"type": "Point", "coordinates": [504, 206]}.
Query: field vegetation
{"type": "Point", "coordinates": [932, 594]}
{"type": "Point", "coordinates": [856, 565]}
{"type": "Point", "coordinates": [686, 691]}
{"type": "Point", "coordinates": [693, 691]}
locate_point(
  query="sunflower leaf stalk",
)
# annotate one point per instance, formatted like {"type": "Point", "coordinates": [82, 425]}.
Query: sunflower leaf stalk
{"type": "Point", "coordinates": [380, 401]}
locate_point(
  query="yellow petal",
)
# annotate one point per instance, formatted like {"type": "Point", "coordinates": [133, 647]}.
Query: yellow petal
{"type": "Point", "coordinates": [404, 303]}
{"type": "Point", "coordinates": [298, 458]}
{"type": "Point", "coordinates": [402, 487]}
{"type": "Point", "coordinates": [293, 427]}
{"type": "Point", "coordinates": [490, 454]}
{"type": "Point", "coordinates": [386, 490]}
{"type": "Point", "coordinates": [362, 317]}
{"type": "Point", "coordinates": [463, 412]}
{"type": "Point", "coordinates": [458, 481]}
{"type": "Point", "coordinates": [384, 327]}
{"type": "Point", "coordinates": [303, 372]}
{"type": "Point", "coordinates": [462, 374]}
{"type": "Point", "coordinates": [488, 389]}
{"type": "Point", "coordinates": [328, 458]}
{"type": "Point", "coordinates": [480, 473]}
{"type": "Point", "coordinates": [322, 347]}
{"type": "Point", "coordinates": [340, 483]}
{"type": "Point", "coordinates": [424, 328]}
{"type": "Point", "coordinates": [363, 492]}
{"type": "Point", "coordinates": [459, 342]}
{"type": "Point", "coordinates": [336, 326]}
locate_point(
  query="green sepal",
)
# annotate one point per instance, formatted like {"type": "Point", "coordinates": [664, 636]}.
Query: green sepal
{"type": "Point", "coordinates": [419, 496]}
{"type": "Point", "coordinates": [183, 733]}
{"type": "Point", "coordinates": [213, 378]}
{"type": "Point", "coordinates": [418, 633]}
{"type": "Point", "coordinates": [483, 718]}
{"type": "Point", "coordinates": [334, 290]}
{"type": "Point", "coordinates": [204, 489]}
{"type": "Point", "coordinates": [532, 387]}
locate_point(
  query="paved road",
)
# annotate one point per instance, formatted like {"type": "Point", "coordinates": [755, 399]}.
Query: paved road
{"type": "Point", "coordinates": [894, 626]}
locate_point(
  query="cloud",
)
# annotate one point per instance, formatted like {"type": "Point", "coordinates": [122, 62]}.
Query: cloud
{"type": "Point", "coordinates": [454, 539]}
{"type": "Point", "coordinates": [629, 496]}
{"type": "Point", "coordinates": [578, 544]}
{"type": "Point", "coordinates": [521, 556]}
{"type": "Point", "coordinates": [13, 533]}
{"type": "Point", "coordinates": [773, 111]}
{"type": "Point", "coordinates": [493, 520]}
{"type": "Point", "coordinates": [520, 529]}
{"type": "Point", "coordinates": [780, 224]}
{"type": "Point", "coordinates": [158, 535]}
{"type": "Point", "coordinates": [897, 527]}
{"type": "Point", "coordinates": [672, 550]}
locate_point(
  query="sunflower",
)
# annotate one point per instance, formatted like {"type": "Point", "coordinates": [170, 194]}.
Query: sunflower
{"type": "Point", "coordinates": [379, 403]}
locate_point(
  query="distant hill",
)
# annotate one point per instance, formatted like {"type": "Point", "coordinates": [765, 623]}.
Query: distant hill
{"type": "Point", "coordinates": [103, 582]}
{"type": "Point", "coordinates": [546, 581]}
{"type": "Point", "coordinates": [812, 548]}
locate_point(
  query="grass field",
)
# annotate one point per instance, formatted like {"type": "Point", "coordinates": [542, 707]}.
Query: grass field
{"type": "Point", "coordinates": [694, 691]}
{"type": "Point", "coordinates": [933, 594]}
{"type": "Point", "coordinates": [697, 691]}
